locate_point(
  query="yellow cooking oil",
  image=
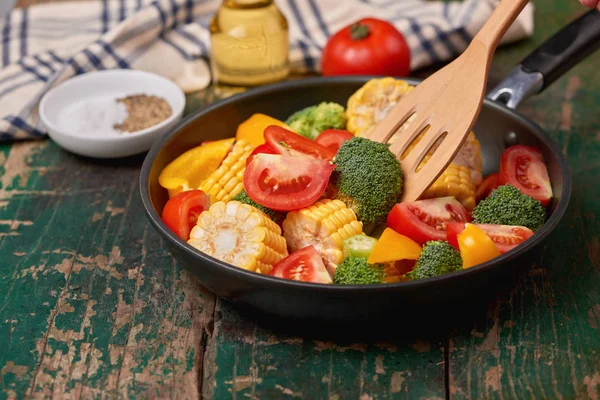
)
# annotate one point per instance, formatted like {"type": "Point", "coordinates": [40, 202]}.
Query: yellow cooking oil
{"type": "Point", "coordinates": [249, 43]}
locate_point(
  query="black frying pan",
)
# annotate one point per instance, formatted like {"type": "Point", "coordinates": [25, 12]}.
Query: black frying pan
{"type": "Point", "coordinates": [498, 126]}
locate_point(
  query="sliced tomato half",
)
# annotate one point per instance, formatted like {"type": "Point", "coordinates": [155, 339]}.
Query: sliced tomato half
{"type": "Point", "coordinates": [425, 220]}
{"type": "Point", "coordinates": [524, 168]}
{"type": "Point", "coordinates": [505, 237]}
{"type": "Point", "coordinates": [263, 148]}
{"type": "Point", "coordinates": [284, 141]}
{"type": "Point", "coordinates": [284, 182]}
{"type": "Point", "coordinates": [181, 212]}
{"type": "Point", "coordinates": [333, 138]}
{"type": "Point", "coordinates": [303, 265]}
{"type": "Point", "coordinates": [486, 186]}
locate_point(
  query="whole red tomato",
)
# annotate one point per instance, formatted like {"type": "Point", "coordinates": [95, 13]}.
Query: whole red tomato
{"type": "Point", "coordinates": [367, 47]}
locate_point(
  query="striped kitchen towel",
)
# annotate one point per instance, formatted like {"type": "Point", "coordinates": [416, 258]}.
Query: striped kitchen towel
{"type": "Point", "coordinates": [45, 44]}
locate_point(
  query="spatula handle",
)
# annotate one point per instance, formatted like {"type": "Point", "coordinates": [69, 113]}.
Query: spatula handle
{"type": "Point", "coordinates": [557, 55]}
{"type": "Point", "coordinates": [501, 19]}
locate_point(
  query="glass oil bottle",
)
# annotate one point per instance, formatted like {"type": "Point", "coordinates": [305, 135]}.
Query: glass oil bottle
{"type": "Point", "coordinates": [249, 43]}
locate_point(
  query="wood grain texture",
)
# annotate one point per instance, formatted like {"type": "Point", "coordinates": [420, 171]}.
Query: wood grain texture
{"type": "Point", "coordinates": [246, 359]}
{"type": "Point", "coordinates": [90, 301]}
{"type": "Point", "coordinates": [92, 305]}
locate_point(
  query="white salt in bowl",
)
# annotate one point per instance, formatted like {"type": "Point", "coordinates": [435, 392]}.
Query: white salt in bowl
{"type": "Point", "coordinates": [80, 113]}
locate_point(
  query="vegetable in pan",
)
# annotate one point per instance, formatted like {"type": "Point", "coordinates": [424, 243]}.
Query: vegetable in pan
{"type": "Point", "coordinates": [243, 197]}
{"type": "Point", "coordinates": [314, 200]}
{"type": "Point", "coordinates": [437, 258]}
{"type": "Point", "coordinates": [356, 271]}
{"type": "Point", "coordinates": [368, 179]}
{"type": "Point", "coordinates": [507, 205]}
{"type": "Point", "coordinates": [313, 120]}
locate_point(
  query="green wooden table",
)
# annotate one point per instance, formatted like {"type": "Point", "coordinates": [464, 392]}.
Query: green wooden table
{"type": "Point", "coordinates": [92, 305]}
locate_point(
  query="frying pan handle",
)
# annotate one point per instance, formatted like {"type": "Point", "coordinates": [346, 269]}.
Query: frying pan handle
{"type": "Point", "coordinates": [550, 61]}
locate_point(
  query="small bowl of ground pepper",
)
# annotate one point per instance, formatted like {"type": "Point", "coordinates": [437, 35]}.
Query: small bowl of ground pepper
{"type": "Point", "coordinates": [111, 113]}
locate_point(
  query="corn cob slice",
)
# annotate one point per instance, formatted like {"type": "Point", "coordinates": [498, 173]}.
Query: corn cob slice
{"type": "Point", "coordinates": [325, 225]}
{"type": "Point", "coordinates": [372, 102]}
{"type": "Point", "coordinates": [239, 234]}
{"type": "Point", "coordinates": [227, 180]}
{"type": "Point", "coordinates": [454, 181]}
{"type": "Point", "coordinates": [468, 156]}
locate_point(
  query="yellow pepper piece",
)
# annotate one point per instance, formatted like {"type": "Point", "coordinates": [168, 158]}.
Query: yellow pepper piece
{"type": "Point", "coordinates": [191, 168]}
{"type": "Point", "coordinates": [475, 246]}
{"type": "Point", "coordinates": [393, 246]}
{"type": "Point", "coordinates": [252, 129]}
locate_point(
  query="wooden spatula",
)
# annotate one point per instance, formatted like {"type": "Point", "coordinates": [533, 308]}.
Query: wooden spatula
{"type": "Point", "coordinates": [447, 103]}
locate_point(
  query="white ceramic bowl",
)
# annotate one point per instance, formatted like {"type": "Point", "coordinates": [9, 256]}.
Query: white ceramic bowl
{"type": "Point", "coordinates": [101, 87]}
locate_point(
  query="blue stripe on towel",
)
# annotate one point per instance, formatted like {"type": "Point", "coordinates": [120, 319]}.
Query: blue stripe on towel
{"type": "Point", "coordinates": [109, 50]}
{"type": "Point", "coordinates": [189, 7]}
{"type": "Point", "coordinates": [301, 23]}
{"type": "Point", "coordinates": [6, 41]}
{"type": "Point", "coordinates": [105, 16]}
{"type": "Point", "coordinates": [33, 71]}
{"type": "Point", "coordinates": [44, 63]}
{"type": "Point", "coordinates": [56, 57]}
{"type": "Point", "coordinates": [319, 17]}
{"type": "Point", "coordinates": [19, 123]}
{"type": "Point", "coordinates": [23, 33]}
{"type": "Point", "coordinates": [96, 62]}
{"type": "Point", "coordinates": [76, 67]}
{"type": "Point", "coordinates": [194, 40]}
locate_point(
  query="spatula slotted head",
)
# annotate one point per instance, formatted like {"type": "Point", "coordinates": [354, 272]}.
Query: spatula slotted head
{"type": "Point", "coordinates": [446, 105]}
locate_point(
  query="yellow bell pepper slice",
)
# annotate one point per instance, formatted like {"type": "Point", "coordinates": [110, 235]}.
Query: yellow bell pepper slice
{"type": "Point", "coordinates": [475, 246]}
{"type": "Point", "coordinates": [393, 246]}
{"type": "Point", "coordinates": [191, 168]}
{"type": "Point", "coordinates": [254, 127]}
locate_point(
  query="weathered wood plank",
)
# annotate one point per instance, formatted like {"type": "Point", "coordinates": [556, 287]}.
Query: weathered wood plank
{"type": "Point", "coordinates": [91, 302]}
{"type": "Point", "coordinates": [247, 359]}
{"type": "Point", "coordinates": [541, 340]}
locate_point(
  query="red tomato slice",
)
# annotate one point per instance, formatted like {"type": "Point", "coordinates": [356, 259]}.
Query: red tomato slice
{"type": "Point", "coordinates": [303, 265]}
{"type": "Point", "coordinates": [182, 210]}
{"type": "Point", "coordinates": [425, 220]}
{"type": "Point", "coordinates": [284, 182]}
{"type": "Point", "coordinates": [486, 186]}
{"type": "Point", "coordinates": [288, 142]}
{"type": "Point", "coordinates": [505, 237]}
{"type": "Point", "coordinates": [263, 148]}
{"type": "Point", "coordinates": [524, 168]}
{"type": "Point", "coordinates": [333, 138]}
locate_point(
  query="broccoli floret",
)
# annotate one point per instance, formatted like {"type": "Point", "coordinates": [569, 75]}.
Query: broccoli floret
{"type": "Point", "coordinates": [311, 121]}
{"type": "Point", "coordinates": [437, 258]}
{"type": "Point", "coordinates": [369, 179]}
{"type": "Point", "coordinates": [356, 271]}
{"type": "Point", "coordinates": [507, 205]}
{"type": "Point", "coordinates": [243, 197]}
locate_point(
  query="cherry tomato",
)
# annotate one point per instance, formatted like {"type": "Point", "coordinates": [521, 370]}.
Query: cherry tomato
{"type": "Point", "coordinates": [284, 141]}
{"type": "Point", "coordinates": [396, 271]}
{"type": "Point", "coordinates": [505, 237]}
{"type": "Point", "coordinates": [524, 168]}
{"type": "Point", "coordinates": [486, 186]}
{"type": "Point", "coordinates": [369, 46]}
{"type": "Point", "coordinates": [304, 265]}
{"type": "Point", "coordinates": [284, 182]}
{"type": "Point", "coordinates": [475, 246]}
{"type": "Point", "coordinates": [333, 138]}
{"type": "Point", "coordinates": [182, 210]}
{"type": "Point", "coordinates": [425, 220]}
{"type": "Point", "coordinates": [263, 148]}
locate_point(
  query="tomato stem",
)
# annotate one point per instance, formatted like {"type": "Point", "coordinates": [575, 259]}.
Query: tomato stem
{"type": "Point", "coordinates": [359, 31]}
